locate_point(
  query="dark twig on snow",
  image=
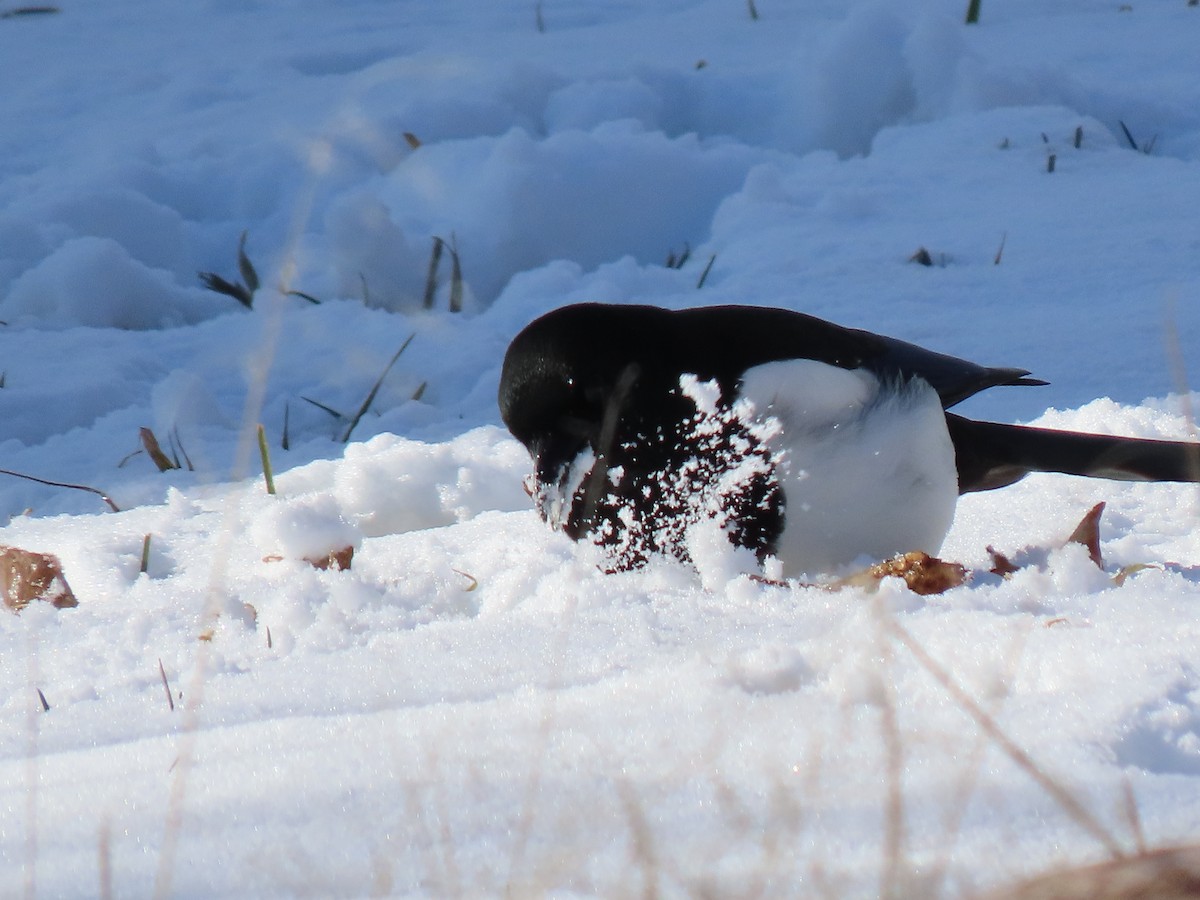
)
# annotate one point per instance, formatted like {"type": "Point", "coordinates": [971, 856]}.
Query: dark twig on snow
{"type": "Point", "coordinates": [62, 484]}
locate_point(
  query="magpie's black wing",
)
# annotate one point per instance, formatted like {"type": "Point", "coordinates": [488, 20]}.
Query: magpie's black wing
{"type": "Point", "coordinates": [594, 343]}
{"type": "Point", "coordinates": [740, 337]}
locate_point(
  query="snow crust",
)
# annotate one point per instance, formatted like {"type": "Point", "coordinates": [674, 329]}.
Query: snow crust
{"type": "Point", "coordinates": [473, 708]}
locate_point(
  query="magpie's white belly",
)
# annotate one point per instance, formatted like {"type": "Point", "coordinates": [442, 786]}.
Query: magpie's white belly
{"type": "Point", "coordinates": [867, 468]}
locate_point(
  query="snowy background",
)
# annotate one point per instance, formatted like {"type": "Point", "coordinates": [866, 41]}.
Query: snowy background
{"type": "Point", "coordinates": [472, 708]}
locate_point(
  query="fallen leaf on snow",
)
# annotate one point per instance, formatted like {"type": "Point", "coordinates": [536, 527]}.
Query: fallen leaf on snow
{"type": "Point", "coordinates": [338, 560]}
{"type": "Point", "coordinates": [924, 574]}
{"type": "Point", "coordinates": [1125, 571]}
{"type": "Point", "coordinates": [27, 576]}
{"type": "Point", "coordinates": [1001, 564]}
{"type": "Point", "coordinates": [1087, 532]}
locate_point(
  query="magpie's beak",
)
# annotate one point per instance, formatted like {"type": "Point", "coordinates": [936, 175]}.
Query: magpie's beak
{"type": "Point", "coordinates": [561, 465]}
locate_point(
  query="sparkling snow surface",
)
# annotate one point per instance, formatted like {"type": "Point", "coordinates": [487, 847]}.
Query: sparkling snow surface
{"type": "Point", "coordinates": [473, 708]}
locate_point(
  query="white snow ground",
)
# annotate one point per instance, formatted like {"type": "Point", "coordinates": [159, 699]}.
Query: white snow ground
{"type": "Point", "coordinates": [473, 708]}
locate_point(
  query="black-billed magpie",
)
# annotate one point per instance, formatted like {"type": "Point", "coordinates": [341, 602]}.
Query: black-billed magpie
{"type": "Point", "coordinates": [802, 439]}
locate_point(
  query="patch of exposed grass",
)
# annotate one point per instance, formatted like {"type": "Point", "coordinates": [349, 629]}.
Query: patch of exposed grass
{"type": "Point", "coordinates": [242, 290]}
{"type": "Point", "coordinates": [440, 246]}
{"type": "Point", "coordinates": [265, 454]}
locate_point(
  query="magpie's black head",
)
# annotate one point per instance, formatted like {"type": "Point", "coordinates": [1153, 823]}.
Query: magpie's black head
{"type": "Point", "coordinates": [554, 387]}
{"type": "Point", "coordinates": [557, 386]}
{"type": "Point", "coordinates": [563, 372]}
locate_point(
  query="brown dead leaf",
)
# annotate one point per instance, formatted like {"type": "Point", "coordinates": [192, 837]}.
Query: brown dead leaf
{"type": "Point", "coordinates": [1125, 571]}
{"type": "Point", "coordinates": [26, 576]}
{"type": "Point", "coordinates": [154, 451]}
{"type": "Point", "coordinates": [1001, 564]}
{"type": "Point", "coordinates": [924, 574]}
{"type": "Point", "coordinates": [338, 560]}
{"type": "Point", "coordinates": [1087, 532]}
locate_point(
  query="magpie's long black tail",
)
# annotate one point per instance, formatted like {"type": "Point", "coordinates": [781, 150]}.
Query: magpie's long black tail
{"type": "Point", "coordinates": [992, 455]}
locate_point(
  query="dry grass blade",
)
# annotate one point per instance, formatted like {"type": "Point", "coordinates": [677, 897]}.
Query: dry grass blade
{"type": "Point", "coordinates": [641, 838]}
{"type": "Point", "coordinates": [431, 280]}
{"type": "Point", "coordinates": [166, 686]}
{"type": "Point", "coordinates": [285, 441]}
{"type": "Point", "coordinates": [1000, 249]}
{"type": "Point", "coordinates": [303, 296]}
{"type": "Point", "coordinates": [104, 851]}
{"type": "Point", "coordinates": [922, 257]}
{"type": "Point", "coordinates": [215, 282]}
{"type": "Point", "coordinates": [752, 9]}
{"type": "Point", "coordinates": [366, 404]}
{"type": "Point", "coordinates": [1171, 873]}
{"type": "Point", "coordinates": [1069, 803]}
{"type": "Point", "coordinates": [707, 268]}
{"type": "Point", "coordinates": [973, 12]}
{"type": "Point", "coordinates": [472, 581]}
{"type": "Point", "coordinates": [893, 874]}
{"type": "Point", "coordinates": [265, 453]}
{"type": "Point", "coordinates": [42, 699]}
{"type": "Point", "coordinates": [676, 262]}
{"type": "Point", "coordinates": [1129, 803]}
{"type": "Point", "coordinates": [177, 447]}
{"type": "Point", "coordinates": [1128, 135]}
{"type": "Point", "coordinates": [245, 267]}
{"type": "Point", "coordinates": [456, 280]}
{"type": "Point", "coordinates": [28, 11]}
{"type": "Point", "coordinates": [321, 406]}
{"type": "Point", "coordinates": [63, 484]}
{"type": "Point", "coordinates": [145, 555]}
{"type": "Point", "coordinates": [243, 291]}
{"type": "Point", "coordinates": [598, 478]}
{"type": "Point", "coordinates": [154, 451]}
